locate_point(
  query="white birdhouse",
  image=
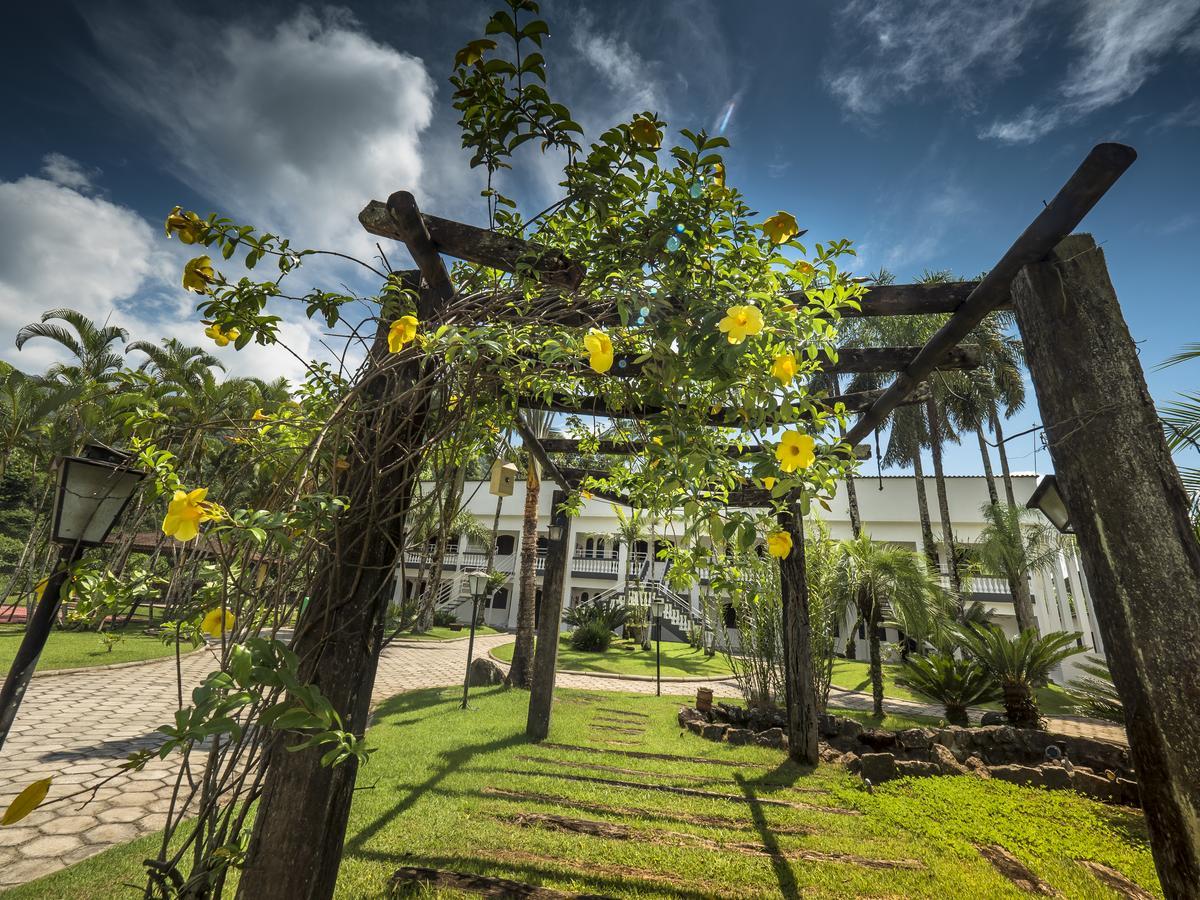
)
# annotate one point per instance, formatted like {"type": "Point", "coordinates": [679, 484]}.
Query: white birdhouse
{"type": "Point", "coordinates": [504, 476]}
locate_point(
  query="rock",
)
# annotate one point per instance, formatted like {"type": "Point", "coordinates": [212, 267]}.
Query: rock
{"type": "Point", "coordinates": [917, 768]}
{"type": "Point", "coordinates": [947, 762]}
{"type": "Point", "coordinates": [484, 672]}
{"type": "Point", "coordinates": [877, 767]}
{"type": "Point", "coordinates": [849, 728]}
{"type": "Point", "coordinates": [1128, 792]}
{"type": "Point", "coordinates": [1023, 775]}
{"type": "Point", "coordinates": [739, 736]}
{"type": "Point", "coordinates": [772, 737]}
{"type": "Point", "coordinates": [829, 754]}
{"type": "Point", "coordinates": [713, 732]}
{"type": "Point", "coordinates": [992, 717]}
{"type": "Point", "coordinates": [956, 739]}
{"type": "Point", "coordinates": [852, 762]}
{"type": "Point", "coordinates": [1095, 786]}
{"type": "Point", "coordinates": [878, 739]}
{"type": "Point", "coordinates": [689, 714]}
{"type": "Point", "coordinates": [1055, 777]}
{"type": "Point", "coordinates": [915, 738]}
{"type": "Point", "coordinates": [828, 725]}
{"type": "Point", "coordinates": [695, 726]}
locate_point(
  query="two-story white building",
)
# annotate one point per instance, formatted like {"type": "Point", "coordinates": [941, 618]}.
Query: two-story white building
{"type": "Point", "coordinates": [601, 565]}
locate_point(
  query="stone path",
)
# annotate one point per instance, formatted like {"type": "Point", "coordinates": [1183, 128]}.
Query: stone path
{"type": "Point", "coordinates": [80, 727]}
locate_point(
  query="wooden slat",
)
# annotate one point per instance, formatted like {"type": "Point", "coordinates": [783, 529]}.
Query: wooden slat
{"type": "Point", "coordinates": [1098, 172]}
{"type": "Point", "coordinates": [634, 445]}
{"type": "Point", "coordinates": [912, 299]}
{"type": "Point", "coordinates": [474, 244]}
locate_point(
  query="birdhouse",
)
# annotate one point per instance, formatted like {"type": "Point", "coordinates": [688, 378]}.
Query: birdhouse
{"type": "Point", "coordinates": [504, 476]}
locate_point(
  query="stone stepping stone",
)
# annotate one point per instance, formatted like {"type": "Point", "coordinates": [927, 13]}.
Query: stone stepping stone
{"type": "Point", "coordinates": [480, 885]}
{"type": "Point", "coordinates": [1015, 870]}
{"type": "Point", "coordinates": [1115, 880]}
{"type": "Point", "coordinates": [623, 712]}
{"type": "Point", "coordinates": [616, 770]}
{"type": "Point", "coordinates": [671, 757]}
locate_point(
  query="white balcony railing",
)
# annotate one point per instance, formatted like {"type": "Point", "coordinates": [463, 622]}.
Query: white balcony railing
{"type": "Point", "coordinates": [590, 565]}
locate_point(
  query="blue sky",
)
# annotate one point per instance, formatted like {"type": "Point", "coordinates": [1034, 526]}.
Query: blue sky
{"type": "Point", "coordinates": [927, 132]}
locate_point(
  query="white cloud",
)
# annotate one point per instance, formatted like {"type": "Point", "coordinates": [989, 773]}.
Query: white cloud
{"type": "Point", "coordinates": [61, 169]}
{"type": "Point", "coordinates": [292, 127]}
{"type": "Point", "coordinates": [884, 52]}
{"type": "Point", "coordinates": [626, 73]}
{"type": "Point", "coordinates": [1120, 45]}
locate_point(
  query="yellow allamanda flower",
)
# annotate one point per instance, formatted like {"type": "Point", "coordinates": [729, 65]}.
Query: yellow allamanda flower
{"type": "Point", "coordinates": [185, 512]}
{"type": "Point", "coordinates": [645, 132]}
{"type": "Point", "coordinates": [217, 621]}
{"type": "Point", "coordinates": [185, 224]}
{"type": "Point", "coordinates": [259, 416]}
{"type": "Point", "coordinates": [769, 482]}
{"type": "Point", "coordinates": [779, 544]}
{"type": "Point", "coordinates": [785, 368]}
{"type": "Point", "coordinates": [221, 336]}
{"type": "Point", "coordinates": [740, 322]}
{"type": "Point", "coordinates": [795, 451]}
{"type": "Point", "coordinates": [781, 227]}
{"type": "Point", "coordinates": [599, 349]}
{"type": "Point", "coordinates": [198, 274]}
{"type": "Point", "coordinates": [403, 331]}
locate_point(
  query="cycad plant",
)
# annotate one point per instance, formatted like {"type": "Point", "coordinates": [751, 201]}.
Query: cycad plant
{"type": "Point", "coordinates": [954, 683]}
{"type": "Point", "coordinates": [1095, 695]}
{"type": "Point", "coordinates": [1018, 665]}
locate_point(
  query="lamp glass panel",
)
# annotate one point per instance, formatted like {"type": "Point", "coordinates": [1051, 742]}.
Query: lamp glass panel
{"type": "Point", "coordinates": [1052, 505]}
{"type": "Point", "coordinates": [477, 580]}
{"type": "Point", "coordinates": [93, 494]}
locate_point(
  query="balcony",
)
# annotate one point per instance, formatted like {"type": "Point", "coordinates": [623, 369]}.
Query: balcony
{"type": "Point", "coordinates": [594, 567]}
{"type": "Point", "coordinates": [467, 559]}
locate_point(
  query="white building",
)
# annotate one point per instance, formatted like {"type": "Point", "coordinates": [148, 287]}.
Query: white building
{"type": "Point", "coordinates": [601, 565]}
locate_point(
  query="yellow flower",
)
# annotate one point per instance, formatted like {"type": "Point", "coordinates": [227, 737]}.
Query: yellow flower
{"type": "Point", "coordinates": [645, 132]}
{"type": "Point", "coordinates": [217, 621]}
{"type": "Point", "coordinates": [719, 174]}
{"type": "Point", "coordinates": [186, 224]}
{"type": "Point", "coordinates": [40, 587]}
{"type": "Point", "coordinates": [198, 274]}
{"type": "Point", "coordinates": [806, 269]}
{"type": "Point", "coordinates": [600, 350]}
{"type": "Point", "coordinates": [769, 482]}
{"type": "Point", "coordinates": [779, 544]}
{"type": "Point", "coordinates": [221, 336]}
{"type": "Point", "coordinates": [586, 495]}
{"type": "Point", "coordinates": [740, 322]}
{"type": "Point", "coordinates": [784, 369]}
{"type": "Point", "coordinates": [26, 801]}
{"type": "Point", "coordinates": [656, 440]}
{"type": "Point", "coordinates": [403, 331]}
{"type": "Point", "coordinates": [258, 416]}
{"type": "Point", "coordinates": [795, 451]}
{"type": "Point", "coordinates": [781, 227]}
{"type": "Point", "coordinates": [185, 513]}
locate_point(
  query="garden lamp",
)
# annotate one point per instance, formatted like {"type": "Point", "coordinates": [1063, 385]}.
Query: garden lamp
{"type": "Point", "coordinates": [656, 607]}
{"type": "Point", "coordinates": [1047, 498]}
{"type": "Point", "coordinates": [477, 582]}
{"type": "Point", "coordinates": [93, 490]}
{"type": "Point", "coordinates": [555, 532]}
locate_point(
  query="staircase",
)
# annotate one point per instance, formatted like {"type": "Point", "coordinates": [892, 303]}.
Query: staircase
{"type": "Point", "coordinates": [677, 610]}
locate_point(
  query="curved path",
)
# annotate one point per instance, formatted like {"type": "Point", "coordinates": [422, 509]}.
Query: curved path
{"type": "Point", "coordinates": [79, 727]}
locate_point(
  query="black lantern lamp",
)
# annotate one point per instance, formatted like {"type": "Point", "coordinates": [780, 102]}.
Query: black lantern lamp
{"type": "Point", "coordinates": [1047, 498]}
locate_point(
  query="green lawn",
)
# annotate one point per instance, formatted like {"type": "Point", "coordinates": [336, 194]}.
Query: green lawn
{"type": "Point", "coordinates": [443, 633]}
{"type": "Point", "coordinates": [464, 791]}
{"type": "Point", "coordinates": [854, 675]}
{"type": "Point", "coordinates": [77, 649]}
{"type": "Point", "coordinates": [627, 658]}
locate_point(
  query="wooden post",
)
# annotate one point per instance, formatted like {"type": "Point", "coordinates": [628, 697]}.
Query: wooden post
{"type": "Point", "coordinates": [797, 648]}
{"type": "Point", "coordinates": [545, 655]}
{"type": "Point", "coordinates": [1130, 513]}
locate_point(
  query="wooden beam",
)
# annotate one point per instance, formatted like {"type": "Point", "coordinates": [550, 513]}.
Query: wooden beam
{"type": "Point", "coordinates": [1098, 172]}
{"type": "Point", "coordinates": [565, 478]}
{"type": "Point", "coordinates": [800, 691]}
{"type": "Point", "coordinates": [911, 299]}
{"type": "Point", "coordinates": [477, 245]}
{"type": "Point", "coordinates": [410, 228]}
{"type": "Point", "coordinates": [624, 448]}
{"type": "Point", "coordinates": [545, 654]}
{"type": "Point", "coordinates": [1131, 518]}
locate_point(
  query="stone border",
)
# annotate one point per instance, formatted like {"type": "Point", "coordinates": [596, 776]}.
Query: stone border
{"type": "Point", "coordinates": [49, 673]}
{"type": "Point", "coordinates": [673, 679]}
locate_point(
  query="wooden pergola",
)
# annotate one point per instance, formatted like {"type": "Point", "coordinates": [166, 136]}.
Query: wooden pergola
{"type": "Point", "coordinates": [1107, 448]}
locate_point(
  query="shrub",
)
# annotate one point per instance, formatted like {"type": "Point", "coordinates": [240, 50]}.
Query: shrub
{"type": "Point", "coordinates": [602, 612]}
{"type": "Point", "coordinates": [443, 618]}
{"type": "Point", "coordinates": [593, 636]}
{"type": "Point", "coordinates": [1095, 695]}
{"type": "Point", "coordinates": [1018, 665]}
{"type": "Point", "coordinates": [954, 683]}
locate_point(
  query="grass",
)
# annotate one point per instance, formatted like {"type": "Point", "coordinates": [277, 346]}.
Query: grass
{"type": "Point", "coordinates": [79, 649]}
{"type": "Point", "coordinates": [427, 798]}
{"type": "Point", "coordinates": [628, 658]}
{"type": "Point", "coordinates": [854, 675]}
{"type": "Point", "coordinates": [443, 633]}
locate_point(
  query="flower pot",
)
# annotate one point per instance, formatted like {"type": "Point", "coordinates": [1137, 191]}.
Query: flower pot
{"type": "Point", "coordinates": [704, 698]}
{"type": "Point", "coordinates": [456, 626]}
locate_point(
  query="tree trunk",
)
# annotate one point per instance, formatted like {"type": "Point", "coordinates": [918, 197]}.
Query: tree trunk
{"type": "Point", "coordinates": [296, 845]}
{"type": "Point", "coordinates": [923, 511]}
{"type": "Point", "coordinates": [876, 659]}
{"type": "Point", "coordinates": [987, 466]}
{"type": "Point", "coordinates": [1018, 584]}
{"type": "Point", "coordinates": [521, 670]}
{"type": "Point", "coordinates": [541, 697]}
{"type": "Point", "coordinates": [797, 647]}
{"type": "Point", "coordinates": [852, 505]}
{"type": "Point", "coordinates": [998, 433]}
{"type": "Point", "coordinates": [957, 715]}
{"type": "Point", "coordinates": [1130, 514]}
{"type": "Point", "coordinates": [935, 444]}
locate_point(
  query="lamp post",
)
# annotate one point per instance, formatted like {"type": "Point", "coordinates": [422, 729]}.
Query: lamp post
{"type": "Point", "coordinates": [1048, 499]}
{"type": "Point", "coordinates": [657, 607]}
{"type": "Point", "coordinates": [93, 491]}
{"type": "Point", "coordinates": [478, 581]}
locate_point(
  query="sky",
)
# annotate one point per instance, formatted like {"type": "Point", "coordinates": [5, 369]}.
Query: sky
{"type": "Point", "coordinates": [927, 132]}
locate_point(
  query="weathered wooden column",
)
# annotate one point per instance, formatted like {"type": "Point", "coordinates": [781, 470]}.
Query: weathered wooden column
{"type": "Point", "coordinates": [545, 655]}
{"type": "Point", "coordinates": [797, 647]}
{"type": "Point", "coordinates": [1130, 513]}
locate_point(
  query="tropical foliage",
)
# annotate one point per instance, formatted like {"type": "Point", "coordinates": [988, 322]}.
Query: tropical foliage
{"type": "Point", "coordinates": [1018, 665]}
{"type": "Point", "coordinates": [954, 683]}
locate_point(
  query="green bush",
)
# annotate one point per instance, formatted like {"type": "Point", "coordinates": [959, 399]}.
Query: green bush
{"type": "Point", "coordinates": [593, 636]}
{"type": "Point", "coordinates": [611, 615]}
{"type": "Point", "coordinates": [443, 618]}
{"type": "Point", "coordinates": [954, 683]}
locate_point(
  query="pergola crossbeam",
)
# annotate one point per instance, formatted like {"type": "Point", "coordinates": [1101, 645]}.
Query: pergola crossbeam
{"type": "Point", "coordinates": [635, 445]}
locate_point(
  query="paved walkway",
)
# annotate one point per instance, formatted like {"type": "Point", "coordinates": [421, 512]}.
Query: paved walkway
{"type": "Point", "coordinates": [79, 727]}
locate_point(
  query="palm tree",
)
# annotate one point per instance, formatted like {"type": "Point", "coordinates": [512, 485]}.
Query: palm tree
{"type": "Point", "coordinates": [1016, 541]}
{"type": "Point", "coordinates": [954, 683]}
{"type": "Point", "coordinates": [175, 362]}
{"type": "Point", "coordinates": [1095, 694]}
{"type": "Point", "coordinates": [1018, 665]}
{"type": "Point", "coordinates": [25, 405]}
{"type": "Point", "coordinates": [520, 673]}
{"type": "Point", "coordinates": [871, 576]}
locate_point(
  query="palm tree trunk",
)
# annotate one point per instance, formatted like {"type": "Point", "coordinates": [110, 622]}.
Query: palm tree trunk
{"type": "Point", "coordinates": [987, 466]}
{"type": "Point", "coordinates": [852, 503]}
{"type": "Point", "coordinates": [519, 674]}
{"type": "Point", "coordinates": [923, 511]}
{"type": "Point", "coordinates": [1018, 584]}
{"type": "Point", "coordinates": [876, 660]}
{"type": "Point", "coordinates": [935, 444]}
{"type": "Point", "coordinates": [1004, 471]}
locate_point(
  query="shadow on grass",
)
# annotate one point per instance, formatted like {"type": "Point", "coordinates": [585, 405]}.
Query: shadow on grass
{"type": "Point", "coordinates": [788, 772]}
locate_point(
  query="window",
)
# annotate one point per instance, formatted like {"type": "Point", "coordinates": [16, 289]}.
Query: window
{"type": "Point", "coordinates": [862, 632]}
{"type": "Point", "coordinates": [730, 616]}
{"type": "Point", "coordinates": [583, 597]}
{"type": "Point", "coordinates": [589, 549]}
{"type": "Point", "coordinates": [543, 545]}
{"type": "Point", "coordinates": [500, 599]}
{"type": "Point", "coordinates": [506, 544]}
